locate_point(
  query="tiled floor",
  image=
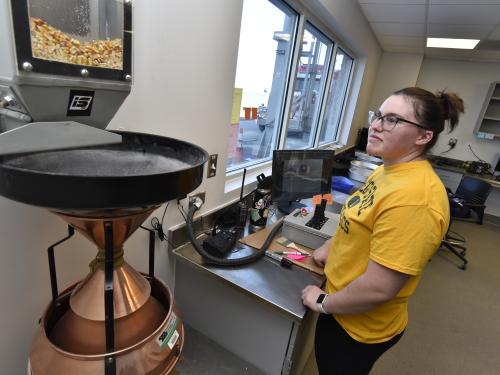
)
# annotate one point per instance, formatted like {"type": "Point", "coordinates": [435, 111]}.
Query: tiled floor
{"type": "Point", "coordinates": [202, 356]}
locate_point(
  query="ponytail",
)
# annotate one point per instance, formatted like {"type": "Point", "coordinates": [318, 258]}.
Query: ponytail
{"type": "Point", "coordinates": [451, 105]}
{"type": "Point", "coordinates": [432, 111]}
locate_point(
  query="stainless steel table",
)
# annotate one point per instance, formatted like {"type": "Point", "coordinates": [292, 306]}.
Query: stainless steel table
{"type": "Point", "coordinates": [255, 311]}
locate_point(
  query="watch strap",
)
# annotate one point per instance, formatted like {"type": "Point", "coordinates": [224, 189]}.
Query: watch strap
{"type": "Point", "coordinates": [321, 307]}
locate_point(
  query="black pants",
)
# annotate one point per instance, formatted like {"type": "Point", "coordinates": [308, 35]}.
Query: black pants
{"type": "Point", "coordinates": [337, 353]}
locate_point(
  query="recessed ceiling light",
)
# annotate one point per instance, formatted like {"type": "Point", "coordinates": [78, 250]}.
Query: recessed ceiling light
{"type": "Point", "coordinates": [452, 43]}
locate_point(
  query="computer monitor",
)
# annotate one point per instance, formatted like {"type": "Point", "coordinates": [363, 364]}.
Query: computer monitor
{"type": "Point", "coordinates": [299, 174]}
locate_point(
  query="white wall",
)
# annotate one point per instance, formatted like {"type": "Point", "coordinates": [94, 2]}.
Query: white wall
{"type": "Point", "coordinates": [471, 81]}
{"type": "Point", "coordinates": [184, 67]}
{"type": "Point", "coordinates": [396, 71]}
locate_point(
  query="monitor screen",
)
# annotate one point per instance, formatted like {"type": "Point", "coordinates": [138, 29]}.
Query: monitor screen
{"type": "Point", "coordinates": [299, 174]}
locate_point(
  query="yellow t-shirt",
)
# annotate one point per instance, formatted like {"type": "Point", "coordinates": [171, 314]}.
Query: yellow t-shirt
{"type": "Point", "coordinates": [397, 219]}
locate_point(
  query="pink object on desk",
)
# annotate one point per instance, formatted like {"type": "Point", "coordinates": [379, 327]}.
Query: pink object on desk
{"type": "Point", "coordinates": [298, 258]}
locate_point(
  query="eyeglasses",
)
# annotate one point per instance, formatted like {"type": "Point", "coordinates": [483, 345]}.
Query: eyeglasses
{"type": "Point", "coordinates": [389, 121]}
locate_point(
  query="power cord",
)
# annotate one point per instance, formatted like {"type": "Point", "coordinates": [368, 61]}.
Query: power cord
{"type": "Point", "coordinates": [181, 210]}
{"type": "Point", "coordinates": [158, 225]}
{"type": "Point", "coordinates": [209, 258]}
{"type": "Point", "coordinates": [449, 149]}
{"type": "Point", "coordinates": [473, 153]}
{"type": "Point", "coordinates": [187, 218]}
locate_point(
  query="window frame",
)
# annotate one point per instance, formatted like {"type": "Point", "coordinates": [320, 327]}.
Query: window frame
{"type": "Point", "coordinates": [344, 98]}
{"type": "Point", "coordinates": [324, 84]}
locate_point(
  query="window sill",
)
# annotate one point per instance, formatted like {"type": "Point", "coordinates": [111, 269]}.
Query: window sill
{"type": "Point", "coordinates": [233, 181]}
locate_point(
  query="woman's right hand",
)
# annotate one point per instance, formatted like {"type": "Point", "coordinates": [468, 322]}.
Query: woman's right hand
{"type": "Point", "coordinates": [320, 255]}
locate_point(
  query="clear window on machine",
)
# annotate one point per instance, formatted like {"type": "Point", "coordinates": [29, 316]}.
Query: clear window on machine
{"type": "Point", "coordinates": [65, 36]}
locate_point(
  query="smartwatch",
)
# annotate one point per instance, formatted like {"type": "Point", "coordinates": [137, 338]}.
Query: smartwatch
{"type": "Point", "coordinates": [320, 301]}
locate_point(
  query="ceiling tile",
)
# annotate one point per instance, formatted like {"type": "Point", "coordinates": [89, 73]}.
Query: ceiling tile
{"type": "Point", "coordinates": [488, 45]}
{"type": "Point", "coordinates": [399, 29]}
{"type": "Point", "coordinates": [402, 40]}
{"type": "Point", "coordinates": [495, 35]}
{"type": "Point", "coordinates": [439, 30]}
{"type": "Point", "coordinates": [394, 13]}
{"type": "Point", "coordinates": [486, 55]}
{"type": "Point", "coordinates": [399, 25]}
{"type": "Point", "coordinates": [464, 14]}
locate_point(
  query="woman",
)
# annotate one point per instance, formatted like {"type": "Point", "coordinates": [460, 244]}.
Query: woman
{"type": "Point", "coordinates": [388, 231]}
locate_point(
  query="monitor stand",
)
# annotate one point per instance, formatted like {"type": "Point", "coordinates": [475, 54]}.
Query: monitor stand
{"type": "Point", "coordinates": [287, 207]}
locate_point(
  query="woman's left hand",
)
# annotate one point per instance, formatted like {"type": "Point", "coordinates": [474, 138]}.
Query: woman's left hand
{"type": "Point", "coordinates": [309, 296]}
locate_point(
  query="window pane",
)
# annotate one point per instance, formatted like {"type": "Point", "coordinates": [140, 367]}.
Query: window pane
{"type": "Point", "coordinates": [264, 54]}
{"type": "Point", "coordinates": [78, 32]}
{"type": "Point", "coordinates": [308, 89]}
{"type": "Point", "coordinates": [336, 97]}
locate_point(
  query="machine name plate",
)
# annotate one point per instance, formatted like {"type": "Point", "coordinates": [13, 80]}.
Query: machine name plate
{"type": "Point", "coordinates": [80, 103]}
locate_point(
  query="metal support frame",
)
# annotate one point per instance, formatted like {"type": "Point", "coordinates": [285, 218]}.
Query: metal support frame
{"type": "Point", "coordinates": [52, 263]}
{"type": "Point", "coordinates": [109, 313]}
{"type": "Point", "coordinates": [151, 251]}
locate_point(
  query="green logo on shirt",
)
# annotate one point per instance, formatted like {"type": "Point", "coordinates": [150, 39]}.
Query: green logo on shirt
{"type": "Point", "coordinates": [363, 201]}
{"type": "Point", "coordinates": [368, 192]}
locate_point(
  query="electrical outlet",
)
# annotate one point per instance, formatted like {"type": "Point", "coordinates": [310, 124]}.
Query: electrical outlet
{"type": "Point", "coordinates": [212, 165]}
{"type": "Point", "coordinates": [200, 195]}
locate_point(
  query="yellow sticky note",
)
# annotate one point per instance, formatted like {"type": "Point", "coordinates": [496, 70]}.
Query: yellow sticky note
{"type": "Point", "coordinates": [235, 112]}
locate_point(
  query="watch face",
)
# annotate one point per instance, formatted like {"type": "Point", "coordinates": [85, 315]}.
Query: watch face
{"type": "Point", "coordinates": [321, 297]}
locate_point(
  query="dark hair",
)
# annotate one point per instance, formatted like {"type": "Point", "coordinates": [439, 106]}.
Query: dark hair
{"type": "Point", "coordinates": [433, 111]}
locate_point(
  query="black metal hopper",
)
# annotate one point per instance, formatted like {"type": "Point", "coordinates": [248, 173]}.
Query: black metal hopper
{"type": "Point", "coordinates": [144, 170]}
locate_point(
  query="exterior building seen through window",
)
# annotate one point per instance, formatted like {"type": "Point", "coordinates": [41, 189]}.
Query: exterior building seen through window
{"type": "Point", "coordinates": [270, 36]}
{"type": "Point", "coordinates": [309, 87]}
{"type": "Point", "coordinates": [264, 55]}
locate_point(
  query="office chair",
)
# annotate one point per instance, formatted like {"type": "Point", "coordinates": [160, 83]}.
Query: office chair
{"type": "Point", "coordinates": [466, 204]}
{"type": "Point", "coordinates": [471, 195]}
{"type": "Point", "coordinates": [456, 244]}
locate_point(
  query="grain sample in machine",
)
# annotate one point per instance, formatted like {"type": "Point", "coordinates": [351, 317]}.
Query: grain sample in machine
{"type": "Point", "coordinates": [62, 79]}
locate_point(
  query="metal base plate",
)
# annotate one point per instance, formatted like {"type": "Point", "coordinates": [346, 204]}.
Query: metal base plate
{"type": "Point", "coordinates": [50, 136]}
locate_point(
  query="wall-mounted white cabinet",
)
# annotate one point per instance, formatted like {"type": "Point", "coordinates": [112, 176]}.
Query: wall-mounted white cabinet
{"type": "Point", "coordinates": [488, 124]}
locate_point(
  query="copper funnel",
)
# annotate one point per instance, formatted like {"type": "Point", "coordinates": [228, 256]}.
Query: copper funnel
{"type": "Point", "coordinates": [131, 290]}
{"type": "Point", "coordinates": [75, 334]}
{"type": "Point", "coordinates": [91, 224]}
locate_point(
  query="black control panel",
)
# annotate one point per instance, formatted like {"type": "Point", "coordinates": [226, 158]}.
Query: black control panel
{"type": "Point", "coordinates": [319, 219]}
